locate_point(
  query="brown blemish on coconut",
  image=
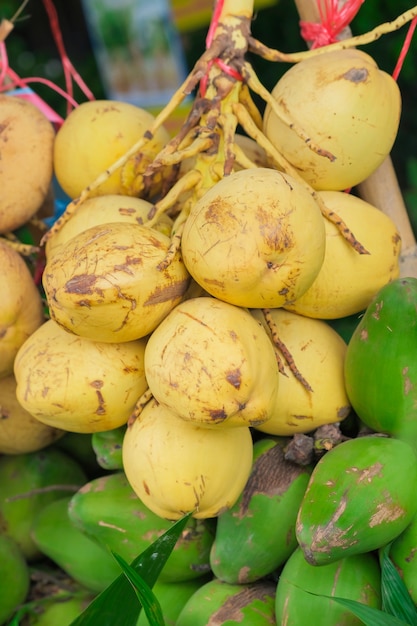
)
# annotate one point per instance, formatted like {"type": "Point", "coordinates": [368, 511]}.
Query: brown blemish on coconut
{"type": "Point", "coordinates": [232, 609]}
{"type": "Point", "coordinates": [82, 284]}
{"type": "Point", "coordinates": [364, 334]}
{"type": "Point", "coordinates": [328, 536]}
{"type": "Point", "coordinates": [173, 291]}
{"type": "Point", "coordinates": [386, 511]}
{"type": "Point", "coordinates": [218, 213]}
{"type": "Point", "coordinates": [234, 377]}
{"type": "Point", "coordinates": [85, 303]}
{"type": "Point", "coordinates": [125, 267]}
{"type": "Point", "coordinates": [271, 474]}
{"type": "Point", "coordinates": [218, 415]}
{"type": "Point", "coordinates": [411, 556]}
{"type": "Point", "coordinates": [367, 474]}
{"type": "Point", "coordinates": [356, 75]}
{"type": "Point", "coordinates": [3, 127]}
{"type": "Point", "coordinates": [98, 385]}
{"type": "Point", "coordinates": [376, 313]}
{"type": "Point", "coordinates": [408, 385]}
{"type": "Point", "coordinates": [4, 413]}
{"type": "Point", "coordinates": [213, 281]}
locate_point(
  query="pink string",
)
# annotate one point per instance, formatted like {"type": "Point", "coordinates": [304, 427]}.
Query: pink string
{"type": "Point", "coordinates": [15, 85]}
{"type": "Point", "coordinates": [333, 20]}
{"type": "Point", "coordinates": [70, 73]}
{"type": "Point", "coordinates": [404, 49]}
{"type": "Point", "coordinates": [12, 83]}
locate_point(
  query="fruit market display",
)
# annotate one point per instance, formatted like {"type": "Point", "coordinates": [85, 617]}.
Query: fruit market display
{"type": "Point", "coordinates": [178, 357]}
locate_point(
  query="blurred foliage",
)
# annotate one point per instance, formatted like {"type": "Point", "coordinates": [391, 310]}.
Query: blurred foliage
{"type": "Point", "coordinates": [32, 52]}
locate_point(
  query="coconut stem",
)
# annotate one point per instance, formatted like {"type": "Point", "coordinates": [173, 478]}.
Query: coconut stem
{"type": "Point", "coordinates": [280, 345]}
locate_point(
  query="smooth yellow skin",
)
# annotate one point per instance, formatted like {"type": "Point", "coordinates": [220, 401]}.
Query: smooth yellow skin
{"type": "Point", "coordinates": [21, 310]}
{"type": "Point", "coordinates": [212, 364]}
{"type": "Point", "coordinates": [256, 239]}
{"type": "Point", "coordinates": [176, 467]}
{"type": "Point", "coordinates": [347, 106]}
{"type": "Point", "coordinates": [26, 161]}
{"type": "Point", "coordinates": [348, 281]}
{"type": "Point", "coordinates": [20, 432]}
{"type": "Point", "coordinates": [319, 354]}
{"type": "Point", "coordinates": [95, 135]}
{"type": "Point", "coordinates": [105, 285]}
{"type": "Point", "coordinates": [102, 210]}
{"type": "Point", "coordinates": [78, 385]}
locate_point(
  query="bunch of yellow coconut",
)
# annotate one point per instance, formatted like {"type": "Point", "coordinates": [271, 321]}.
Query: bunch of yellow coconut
{"type": "Point", "coordinates": [189, 281]}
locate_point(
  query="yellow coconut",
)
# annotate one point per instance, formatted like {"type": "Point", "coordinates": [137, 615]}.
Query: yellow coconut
{"type": "Point", "coordinates": [347, 280]}
{"type": "Point", "coordinates": [318, 352]}
{"type": "Point", "coordinates": [20, 432]}
{"type": "Point", "coordinates": [256, 239]}
{"type": "Point", "coordinates": [102, 210]}
{"type": "Point", "coordinates": [346, 106]}
{"type": "Point", "coordinates": [213, 364]}
{"type": "Point", "coordinates": [106, 284]}
{"type": "Point", "coordinates": [26, 161]}
{"type": "Point", "coordinates": [176, 467]}
{"type": "Point", "coordinates": [78, 385]}
{"type": "Point", "coordinates": [94, 136]}
{"type": "Point", "coordinates": [21, 311]}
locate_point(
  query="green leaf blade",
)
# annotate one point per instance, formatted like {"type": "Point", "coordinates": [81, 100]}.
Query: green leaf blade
{"type": "Point", "coordinates": [143, 592]}
{"type": "Point", "coordinates": [118, 604]}
{"type": "Point", "coordinates": [396, 599]}
{"type": "Point", "coordinates": [369, 615]}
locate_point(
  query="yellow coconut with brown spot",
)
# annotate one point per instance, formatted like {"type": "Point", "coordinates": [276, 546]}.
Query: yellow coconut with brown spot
{"type": "Point", "coordinates": [26, 161]}
{"type": "Point", "coordinates": [315, 394]}
{"type": "Point", "coordinates": [102, 210]}
{"type": "Point", "coordinates": [78, 385]}
{"type": "Point", "coordinates": [345, 106]}
{"type": "Point", "coordinates": [107, 283]}
{"type": "Point", "coordinates": [21, 311]}
{"type": "Point", "coordinates": [255, 239]}
{"type": "Point", "coordinates": [347, 280]}
{"type": "Point", "coordinates": [94, 136]}
{"type": "Point", "coordinates": [177, 467]}
{"type": "Point", "coordinates": [20, 432]}
{"type": "Point", "coordinates": [213, 364]}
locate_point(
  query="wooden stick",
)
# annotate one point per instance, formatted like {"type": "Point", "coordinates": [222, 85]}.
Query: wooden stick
{"type": "Point", "coordinates": [381, 189]}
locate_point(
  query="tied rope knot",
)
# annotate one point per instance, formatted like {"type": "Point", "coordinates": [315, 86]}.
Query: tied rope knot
{"type": "Point", "coordinates": [335, 16]}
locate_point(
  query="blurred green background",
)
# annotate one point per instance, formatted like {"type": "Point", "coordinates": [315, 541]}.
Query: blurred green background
{"type": "Point", "coordinates": [32, 52]}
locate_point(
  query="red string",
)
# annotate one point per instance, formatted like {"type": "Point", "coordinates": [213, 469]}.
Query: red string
{"type": "Point", "coordinates": [405, 48]}
{"type": "Point", "coordinates": [70, 73]}
{"type": "Point", "coordinates": [227, 69]}
{"type": "Point", "coordinates": [333, 20]}
{"type": "Point", "coordinates": [9, 80]}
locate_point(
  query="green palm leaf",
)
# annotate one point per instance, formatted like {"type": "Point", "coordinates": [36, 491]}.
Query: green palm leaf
{"type": "Point", "coordinates": [118, 604]}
